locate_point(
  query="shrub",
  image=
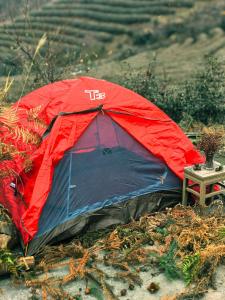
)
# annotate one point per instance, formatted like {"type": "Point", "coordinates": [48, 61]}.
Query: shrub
{"type": "Point", "coordinates": [148, 85]}
{"type": "Point", "coordinates": [98, 16]}
{"type": "Point", "coordinates": [34, 27]}
{"type": "Point", "coordinates": [200, 21]}
{"type": "Point", "coordinates": [79, 23]}
{"type": "Point", "coordinates": [201, 99]}
{"type": "Point", "coordinates": [132, 3]}
{"type": "Point", "coordinates": [150, 9]}
{"type": "Point", "coordinates": [204, 97]}
{"type": "Point", "coordinates": [141, 37]}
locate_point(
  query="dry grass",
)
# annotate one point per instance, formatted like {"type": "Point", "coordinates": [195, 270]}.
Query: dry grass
{"type": "Point", "coordinates": [179, 238]}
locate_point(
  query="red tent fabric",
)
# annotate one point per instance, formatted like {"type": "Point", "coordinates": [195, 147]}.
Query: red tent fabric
{"type": "Point", "coordinates": [139, 117]}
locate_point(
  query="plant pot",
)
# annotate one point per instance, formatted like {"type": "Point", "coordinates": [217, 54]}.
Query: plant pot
{"type": "Point", "coordinates": [209, 165]}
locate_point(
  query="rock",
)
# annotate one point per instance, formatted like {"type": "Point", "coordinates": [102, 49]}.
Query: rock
{"type": "Point", "coordinates": [123, 292]}
{"type": "Point", "coordinates": [153, 288]}
{"type": "Point", "coordinates": [6, 228]}
{"type": "Point", "coordinates": [8, 235]}
{"type": "Point", "coordinates": [5, 241]}
{"type": "Point", "coordinates": [131, 287]}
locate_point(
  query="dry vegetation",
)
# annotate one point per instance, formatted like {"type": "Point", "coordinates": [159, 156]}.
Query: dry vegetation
{"type": "Point", "coordinates": [212, 140]}
{"type": "Point", "coordinates": [16, 140]}
{"type": "Point", "coordinates": [178, 242]}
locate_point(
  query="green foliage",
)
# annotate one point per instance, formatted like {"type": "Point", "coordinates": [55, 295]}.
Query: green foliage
{"type": "Point", "coordinates": [107, 8]}
{"type": "Point", "coordinates": [14, 7]}
{"type": "Point", "coordinates": [131, 236]}
{"type": "Point", "coordinates": [190, 267]}
{"type": "Point", "coordinates": [112, 11]}
{"type": "Point", "coordinates": [145, 84]}
{"type": "Point", "coordinates": [203, 98]}
{"type": "Point", "coordinates": [80, 23]}
{"type": "Point", "coordinates": [186, 123]}
{"type": "Point", "coordinates": [200, 100]}
{"type": "Point", "coordinates": [162, 230]}
{"type": "Point", "coordinates": [155, 89]}
{"type": "Point", "coordinates": [132, 3]}
{"type": "Point", "coordinates": [9, 261]}
{"type": "Point", "coordinates": [98, 16]}
{"type": "Point", "coordinates": [200, 21]}
{"type": "Point", "coordinates": [36, 26]}
{"type": "Point", "coordinates": [95, 291]}
{"type": "Point", "coordinates": [168, 263]}
{"type": "Point", "coordinates": [222, 232]}
{"type": "Point", "coordinates": [172, 105]}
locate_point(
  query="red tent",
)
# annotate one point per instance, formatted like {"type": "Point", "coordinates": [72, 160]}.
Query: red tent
{"type": "Point", "coordinates": [70, 107]}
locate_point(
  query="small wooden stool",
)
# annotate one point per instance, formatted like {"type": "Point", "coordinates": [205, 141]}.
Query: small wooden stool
{"type": "Point", "coordinates": [202, 178]}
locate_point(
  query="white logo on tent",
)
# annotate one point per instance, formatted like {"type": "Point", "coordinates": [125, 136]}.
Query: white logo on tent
{"type": "Point", "coordinates": [95, 94]}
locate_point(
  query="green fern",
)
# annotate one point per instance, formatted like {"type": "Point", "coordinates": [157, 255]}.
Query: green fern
{"type": "Point", "coordinates": [9, 261]}
{"type": "Point", "coordinates": [168, 264]}
{"type": "Point", "coordinates": [221, 232]}
{"type": "Point", "coordinates": [96, 292]}
{"type": "Point", "coordinates": [163, 231]}
{"type": "Point", "coordinates": [190, 267]}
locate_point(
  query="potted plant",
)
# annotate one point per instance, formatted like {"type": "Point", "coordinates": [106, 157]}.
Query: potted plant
{"type": "Point", "coordinates": [211, 141]}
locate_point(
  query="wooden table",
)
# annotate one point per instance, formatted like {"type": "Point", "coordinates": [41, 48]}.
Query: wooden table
{"type": "Point", "coordinates": [205, 179]}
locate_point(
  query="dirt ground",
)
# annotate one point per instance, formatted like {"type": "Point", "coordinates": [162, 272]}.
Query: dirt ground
{"type": "Point", "coordinates": [9, 291]}
{"type": "Point", "coordinates": [132, 261]}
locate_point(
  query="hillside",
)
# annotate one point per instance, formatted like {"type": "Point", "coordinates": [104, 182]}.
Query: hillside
{"type": "Point", "coordinates": [11, 8]}
{"type": "Point", "coordinates": [106, 38]}
{"type": "Point", "coordinates": [96, 22]}
{"type": "Point", "coordinates": [177, 60]}
{"type": "Point", "coordinates": [79, 21]}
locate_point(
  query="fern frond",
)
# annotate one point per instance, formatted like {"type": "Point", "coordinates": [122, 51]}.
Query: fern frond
{"type": "Point", "coordinates": [190, 267]}
{"type": "Point", "coordinates": [26, 136]}
{"type": "Point", "coordinates": [33, 113]}
{"type": "Point", "coordinates": [39, 123]}
{"type": "Point", "coordinates": [7, 151]}
{"type": "Point", "coordinates": [8, 260]}
{"type": "Point", "coordinates": [8, 116]}
{"type": "Point", "coordinates": [33, 116]}
{"type": "Point", "coordinates": [167, 262]}
{"type": "Point", "coordinates": [95, 291]}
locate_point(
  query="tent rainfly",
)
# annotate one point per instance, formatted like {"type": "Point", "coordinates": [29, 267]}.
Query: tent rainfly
{"type": "Point", "coordinates": [105, 146]}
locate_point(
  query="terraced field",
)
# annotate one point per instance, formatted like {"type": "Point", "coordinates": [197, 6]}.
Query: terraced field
{"type": "Point", "coordinates": [100, 19]}
{"type": "Point", "coordinates": [118, 29]}
{"type": "Point", "coordinates": [176, 62]}
{"type": "Point", "coordinates": [90, 23]}
{"type": "Point", "coordinates": [9, 8]}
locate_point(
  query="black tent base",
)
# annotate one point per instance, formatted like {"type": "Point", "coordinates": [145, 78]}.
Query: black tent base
{"type": "Point", "coordinates": [121, 213]}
